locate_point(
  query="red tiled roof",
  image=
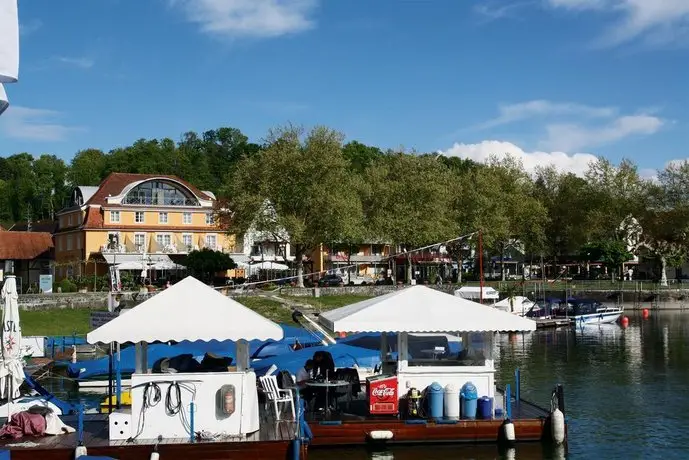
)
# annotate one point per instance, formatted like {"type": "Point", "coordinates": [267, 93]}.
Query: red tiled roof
{"type": "Point", "coordinates": [24, 245]}
{"type": "Point", "coordinates": [94, 218]}
{"type": "Point", "coordinates": [116, 182]}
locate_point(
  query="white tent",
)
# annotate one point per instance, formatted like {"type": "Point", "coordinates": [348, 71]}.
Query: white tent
{"type": "Point", "coordinates": [11, 368]}
{"type": "Point", "coordinates": [9, 41]}
{"type": "Point", "coordinates": [188, 310]}
{"type": "Point", "coordinates": [422, 309]}
{"type": "Point", "coordinates": [268, 266]}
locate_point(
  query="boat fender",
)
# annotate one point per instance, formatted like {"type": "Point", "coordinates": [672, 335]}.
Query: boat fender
{"type": "Point", "coordinates": [80, 451]}
{"type": "Point", "coordinates": [155, 455]}
{"type": "Point", "coordinates": [508, 435]}
{"type": "Point", "coordinates": [381, 435]}
{"type": "Point", "coordinates": [511, 454]}
{"type": "Point", "coordinates": [557, 424]}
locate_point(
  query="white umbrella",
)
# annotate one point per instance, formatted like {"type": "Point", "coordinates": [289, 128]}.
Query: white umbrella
{"type": "Point", "coordinates": [11, 368]}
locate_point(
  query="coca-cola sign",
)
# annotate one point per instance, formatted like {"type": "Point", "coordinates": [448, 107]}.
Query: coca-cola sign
{"type": "Point", "coordinates": [383, 392]}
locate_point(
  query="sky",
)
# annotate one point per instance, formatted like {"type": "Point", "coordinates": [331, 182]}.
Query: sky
{"type": "Point", "coordinates": [550, 81]}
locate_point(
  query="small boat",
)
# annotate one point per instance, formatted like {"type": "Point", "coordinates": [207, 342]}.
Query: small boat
{"type": "Point", "coordinates": [517, 305]}
{"type": "Point", "coordinates": [585, 312]}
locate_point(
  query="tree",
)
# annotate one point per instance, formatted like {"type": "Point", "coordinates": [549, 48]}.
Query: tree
{"type": "Point", "coordinates": [360, 156]}
{"type": "Point", "coordinates": [307, 182]}
{"type": "Point", "coordinates": [611, 252]}
{"type": "Point", "coordinates": [88, 167]}
{"type": "Point", "coordinates": [206, 262]}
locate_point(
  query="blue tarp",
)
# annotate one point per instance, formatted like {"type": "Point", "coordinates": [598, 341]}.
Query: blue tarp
{"type": "Point", "coordinates": [371, 340]}
{"type": "Point", "coordinates": [257, 348]}
{"type": "Point", "coordinates": [343, 355]}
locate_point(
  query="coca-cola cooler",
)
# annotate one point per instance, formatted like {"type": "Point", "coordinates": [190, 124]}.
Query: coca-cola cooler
{"type": "Point", "coordinates": [382, 395]}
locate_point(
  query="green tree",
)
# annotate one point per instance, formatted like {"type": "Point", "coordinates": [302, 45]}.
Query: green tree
{"type": "Point", "coordinates": [306, 181]}
{"type": "Point", "coordinates": [205, 263]}
{"type": "Point", "coordinates": [88, 167]}
{"type": "Point", "coordinates": [611, 252]}
{"type": "Point", "coordinates": [360, 156]}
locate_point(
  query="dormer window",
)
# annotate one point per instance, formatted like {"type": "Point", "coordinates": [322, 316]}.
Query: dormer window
{"type": "Point", "coordinates": [160, 193]}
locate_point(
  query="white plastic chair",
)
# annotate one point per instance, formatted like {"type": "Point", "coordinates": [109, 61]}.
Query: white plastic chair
{"type": "Point", "coordinates": [277, 395]}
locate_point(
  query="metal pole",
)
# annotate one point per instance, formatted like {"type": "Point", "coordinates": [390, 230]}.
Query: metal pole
{"type": "Point", "coordinates": [110, 378]}
{"type": "Point", "coordinates": [480, 265]}
{"type": "Point", "coordinates": [517, 385]}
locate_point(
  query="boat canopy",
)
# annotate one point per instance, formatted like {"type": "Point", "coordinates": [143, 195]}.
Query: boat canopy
{"type": "Point", "coordinates": [422, 309]}
{"type": "Point", "coordinates": [188, 310]}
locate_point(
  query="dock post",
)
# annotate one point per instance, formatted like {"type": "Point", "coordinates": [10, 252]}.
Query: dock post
{"type": "Point", "coordinates": [508, 401]}
{"type": "Point", "coordinates": [118, 378]}
{"type": "Point", "coordinates": [191, 422]}
{"type": "Point", "coordinates": [517, 385]}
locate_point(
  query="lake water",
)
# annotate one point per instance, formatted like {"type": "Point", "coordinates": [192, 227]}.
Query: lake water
{"type": "Point", "coordinates": [624, 392]}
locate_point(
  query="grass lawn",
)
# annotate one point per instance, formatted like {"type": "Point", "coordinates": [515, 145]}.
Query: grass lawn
{"type": "Point", "coordinates": [55, 322]}
{"type": "Point", "coordinates": [330, 302]}
{"type": "Point", "coordinates": [271, 309]}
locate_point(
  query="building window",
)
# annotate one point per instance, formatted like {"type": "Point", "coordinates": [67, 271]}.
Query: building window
{"type": "Point", "coordinates": [187, 241]}
{"type": "Point", "coordinates": [140, 241]}
{"type": "Point", "coordinates": [211, 241]}
{"type": "Point", "coordinates": [113, 242]}
{"type": "Point", "coordinates": [69, 242]}
{"type": "Point", "coordinates": [162, 218]}
{"type": "Point", "coordinates": [163, 240]}
{"type": "Point", "coordinates": [114, 217]}
{"type": "Point", "coordinates": [78, 237]}
{"type": "Point", "coordinates": [186, 218]}
{"type": "Point", "coordinates": [69, 220]}
{"type": "Point", "coordinates": [139, 217]}
{"type": "Point", "coordinates": [209, 219]}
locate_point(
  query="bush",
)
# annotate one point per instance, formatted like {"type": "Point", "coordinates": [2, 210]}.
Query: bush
{"type": "Point", "coordinates": [66, 285]}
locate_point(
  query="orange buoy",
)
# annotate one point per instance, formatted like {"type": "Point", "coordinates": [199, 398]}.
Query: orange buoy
{"type": "Point", "coordinates": [342, 335]}
{"type": "Point", "coordinates": [625, 321]}
{"type": "Point", "coordinates": [645, 313]}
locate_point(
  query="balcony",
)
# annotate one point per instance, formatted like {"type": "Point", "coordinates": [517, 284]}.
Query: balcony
{"type": "Point", "coordinates": [159, 201]}
{"type": "Point", "coordinates": [355, 258]}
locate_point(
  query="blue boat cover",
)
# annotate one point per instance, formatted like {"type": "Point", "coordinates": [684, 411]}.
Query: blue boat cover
{"type": "Point", "coordinates": [258, 349]}
{"type": "Point", "coordinates": [343, 355]}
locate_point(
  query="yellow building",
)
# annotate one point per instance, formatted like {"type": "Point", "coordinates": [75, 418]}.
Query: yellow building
{"type": "Point", "coordinates": [135, 220]}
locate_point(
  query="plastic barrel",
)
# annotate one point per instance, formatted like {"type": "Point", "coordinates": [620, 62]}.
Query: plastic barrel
{"type": "Point", "coordinates": [451, 402]}
{"type": "Point", "coordinates": [485, 408]}
{"type": "Point", "coordinates": [469, 397]}
{"type": "Point", "coordinates": [435, 400]}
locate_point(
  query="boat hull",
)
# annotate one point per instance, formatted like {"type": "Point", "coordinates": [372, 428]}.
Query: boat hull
{"type": "Point", "coordinates": [598, 318]}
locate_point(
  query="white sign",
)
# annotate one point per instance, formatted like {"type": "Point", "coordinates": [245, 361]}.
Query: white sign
{"type": "Point", "coordinates": [45, 283]}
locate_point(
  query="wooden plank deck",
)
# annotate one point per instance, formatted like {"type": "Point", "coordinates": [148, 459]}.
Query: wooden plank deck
{"type": "Point", "coordinates": [272, 441]}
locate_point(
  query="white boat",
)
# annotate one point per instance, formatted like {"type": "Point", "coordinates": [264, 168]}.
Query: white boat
{"type": "Point", "coordinates": [517, 305]}
{"type": "Point", "coordinates": [585, 312]}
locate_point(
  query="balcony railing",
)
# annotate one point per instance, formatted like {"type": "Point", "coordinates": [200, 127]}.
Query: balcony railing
{"type": "Point", "coordinates": [159, 201]}
{"type": "Point", "coordinates": [355, 258]}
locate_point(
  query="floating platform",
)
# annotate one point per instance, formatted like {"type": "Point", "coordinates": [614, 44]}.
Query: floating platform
{"type": "Point", "coordinates": [272, 442]}
{"type": "Point", "coordinates": [551, 323]}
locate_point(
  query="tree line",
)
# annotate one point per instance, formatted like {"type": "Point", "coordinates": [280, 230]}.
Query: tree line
{"type": "Point", "coordinates": [323, 190]}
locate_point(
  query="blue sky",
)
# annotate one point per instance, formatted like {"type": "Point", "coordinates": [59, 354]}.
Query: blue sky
{"type": "Point", "coordinates": [547, 80]}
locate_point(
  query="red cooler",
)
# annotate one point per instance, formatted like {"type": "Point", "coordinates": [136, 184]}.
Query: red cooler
{"type": "Point", "coordinates": [382, 395]}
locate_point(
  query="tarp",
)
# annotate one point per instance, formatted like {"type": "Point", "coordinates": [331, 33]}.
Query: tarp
{"type": "Point", "coordinates": [343, 355]}
{"type": "Point", "coordinates": [257, 349]}
{"type": "Point", "coordinates": [422, 309]}
{"type": "Point", "coordinates": [187, 311]}
{"type": "Point", "coordinates": [9, 41]}
{"type": "Point", "coordinates": [11, 368]}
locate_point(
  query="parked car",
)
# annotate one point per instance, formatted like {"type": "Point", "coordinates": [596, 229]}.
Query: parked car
{"type": "Point", "coordinates": [359, 280]}
{"type": "Point", "coordinates": [331, 281]}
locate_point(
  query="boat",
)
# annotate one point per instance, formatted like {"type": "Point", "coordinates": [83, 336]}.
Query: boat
{"type": "Point", "coordinates": [517, 305]}
{"type": "Point", "coordinates": [586, 312]}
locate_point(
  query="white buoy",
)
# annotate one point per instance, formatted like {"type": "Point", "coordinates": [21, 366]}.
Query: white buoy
{"type": "Point", "coordinates": [511, 454]}
{"type": "Point", "coordinates": [80, 451]}
{"type": "Point", "coordinates": [381, 435]}
{"type": "Point", "coordinates": [508, 434]}
{"type": "Point", "coordinates": [74, 354]}
{"type": "Point", "coordinates": [155, 456]}
{"type": "Point", "coordinates": [557, 425]}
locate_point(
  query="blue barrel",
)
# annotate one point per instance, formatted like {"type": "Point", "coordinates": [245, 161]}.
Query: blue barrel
{"type": "Point", "coordinates": [469, 398]}
{"type": "Point", "coordinates": [435, 400]}
{"type": "Point", "coordinates": [485, 408]}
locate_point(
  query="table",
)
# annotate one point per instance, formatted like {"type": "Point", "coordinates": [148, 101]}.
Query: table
{"type": "Point", "coordinates": [328, 385]}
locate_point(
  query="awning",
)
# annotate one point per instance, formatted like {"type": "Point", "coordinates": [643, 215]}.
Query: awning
{"type": "Point", "coordinates": [9, 41]}
{"type": "Point", "coordinates": [422, 309]}
{"type": "Point", "coordinates": [189, 310]}
{"type": "Point", "coordinates": [151, 260]}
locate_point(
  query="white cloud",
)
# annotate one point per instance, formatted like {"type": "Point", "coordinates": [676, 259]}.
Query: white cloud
{"type": "Point", "coordinates": [249, 18]}
{"type": "Point", "coordinates": [570, 137]}
{"type": "Point", "coordinates": [542, 108]}
{"type": "Point", "coordinates": [27, 28]}
{"type": "Point", "coordinates": [491, 11]}
{"type": "Point", "coordinates": [35, 124]}
{"type": "Point", "coordinates": [81, 62]}
{"type": "Point", "coordinates": [575, 163]}
{"type": "Point", "coordinates": [655, 21]}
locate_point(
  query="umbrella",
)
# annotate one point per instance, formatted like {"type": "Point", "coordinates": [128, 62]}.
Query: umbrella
{"type": "Point", "coordinates": [11, 368]}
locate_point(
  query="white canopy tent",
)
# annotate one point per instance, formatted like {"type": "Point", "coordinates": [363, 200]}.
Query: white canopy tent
{"type": "Point", "coordinates": [189, 310]}
{"type": "Point", "coordinates": [420, 309]}
{"type": "Point", "coordinates": [11, 368]}
{"type": "Point", "coordinates": [268, 266]}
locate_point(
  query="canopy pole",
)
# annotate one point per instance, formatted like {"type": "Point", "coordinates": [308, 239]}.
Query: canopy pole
{"type": "Point", "coordinates": [243, 355]}
{"type": "Point", "coordinates": [141, 357]}
{"type": "Point", "coordinates": [402, 351]}
{"type": "Point", "coordinates": [480, 265]}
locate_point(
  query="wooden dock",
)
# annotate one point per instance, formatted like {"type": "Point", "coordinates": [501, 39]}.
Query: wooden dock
{"type": "Point", "coordinates": [551, 323]}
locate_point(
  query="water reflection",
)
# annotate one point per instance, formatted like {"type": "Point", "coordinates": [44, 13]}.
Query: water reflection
{"type": "Point", "coordinates": [530, 451]}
